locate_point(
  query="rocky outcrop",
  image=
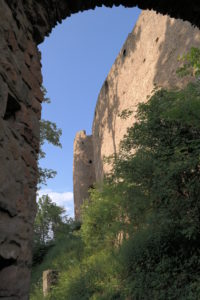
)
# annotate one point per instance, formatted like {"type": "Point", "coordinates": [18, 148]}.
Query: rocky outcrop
{"type": "Point", "coordinates": [83, 170]}
{"type": "Point", "coordinates": [149, 57]}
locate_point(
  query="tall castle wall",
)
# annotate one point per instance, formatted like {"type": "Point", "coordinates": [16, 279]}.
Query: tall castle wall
{"type": "Point", "coordinates": [149, 57]}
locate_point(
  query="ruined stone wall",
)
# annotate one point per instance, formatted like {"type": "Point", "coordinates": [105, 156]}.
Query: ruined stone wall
{"type": "Point", "coordinates": [149, 56]}
{"type": "Point", "coordinates": [83, 170]}
{"type": "Point", "coordinates": [20, 98]}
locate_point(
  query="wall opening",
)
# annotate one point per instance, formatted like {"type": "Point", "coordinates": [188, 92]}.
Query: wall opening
{"type": "Point", "coordinates": [11, 108]}
{"type": "Point", "coordinates": [76, 60]}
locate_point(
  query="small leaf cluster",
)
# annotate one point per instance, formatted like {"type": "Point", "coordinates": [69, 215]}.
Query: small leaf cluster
{"type": "Point", "coordinates": [125, 114]}
{"type": "Point", "coordinates": [191, 63]}
{"type": "Point", "coordinates": [49, 132]}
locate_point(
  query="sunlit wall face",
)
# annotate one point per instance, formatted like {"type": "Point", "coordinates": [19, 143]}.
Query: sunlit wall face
{"type": "Point", "coordinates": [76, 59]}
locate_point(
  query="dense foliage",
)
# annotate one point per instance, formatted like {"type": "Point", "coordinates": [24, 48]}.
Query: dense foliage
{"type": "Point", "coordinates": [63, 253]}
{"type": "Point", "coordinates": [48, 222]}
{"type": "Point", "coordinates": [140, 237]}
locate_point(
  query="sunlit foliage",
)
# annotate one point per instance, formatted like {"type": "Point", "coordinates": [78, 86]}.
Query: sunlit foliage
{"type": "Point", "coordinates": [140, 237]}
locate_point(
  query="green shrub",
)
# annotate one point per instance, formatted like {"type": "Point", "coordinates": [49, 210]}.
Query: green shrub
{"type": "Point", "coordinates": [140, 237]}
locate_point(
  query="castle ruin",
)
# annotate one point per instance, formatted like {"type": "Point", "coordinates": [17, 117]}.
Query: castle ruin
{"type": "Point", "coordinates": [148, 58]}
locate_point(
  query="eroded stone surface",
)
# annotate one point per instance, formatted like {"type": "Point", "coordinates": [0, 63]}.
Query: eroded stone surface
{"type": "Point", "coordinates": [149, 56]}
{"type": "Point", "coordinates": [83, 170]}
{"type": "Point", "coordinates": [42, 16]}
{"type": "Point", "coordinates": [20, 97]}
{"type": "Point", "coordinates": [50, 278]}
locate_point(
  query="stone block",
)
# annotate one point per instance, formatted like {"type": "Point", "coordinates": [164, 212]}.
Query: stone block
{"type": "Point", "coordinates": [50, 278]}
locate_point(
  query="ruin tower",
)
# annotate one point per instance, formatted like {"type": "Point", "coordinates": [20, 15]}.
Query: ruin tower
{"type": "Point", "coordinates": [83, 170]}
{"type": "Point", "coordinates": [148, 57]}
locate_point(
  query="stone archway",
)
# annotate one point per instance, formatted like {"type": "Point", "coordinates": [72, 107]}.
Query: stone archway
{"type": "Point", "coordinates": [24, 24]}
{"type": "Point", "coordinates": [42, 16]}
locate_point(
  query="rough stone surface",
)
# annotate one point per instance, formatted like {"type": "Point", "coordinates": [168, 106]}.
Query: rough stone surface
{"type": "Point", "coordinates": [50, 278]}
{"type": "Point", "coordinates": [149, 56]}
{"type": "Point", "coordinates": [20, 97]}
{"type": "Point", "coordinates": [42, 16]}
{"type": "Point", "coordinates": [83, 170]}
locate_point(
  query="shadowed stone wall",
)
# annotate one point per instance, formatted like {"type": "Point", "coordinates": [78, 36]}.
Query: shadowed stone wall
{"type": "Point", "coordinates": [20, 98]}
{"type": "Point", "coordinates": [43, 15]}
{"type": "Point", "coordinates": [83, 170]}
{"type": "Point", "coordinates": [23, 25]}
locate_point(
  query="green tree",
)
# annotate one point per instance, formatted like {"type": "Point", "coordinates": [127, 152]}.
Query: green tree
{"type": "Point", "coordinates": [49, 132]}
{"type": "Point", "coordinates": [49, 219]}
{"type": "Point", "coordinates": [151, 202]}
{"type": "Point", "coordinates": [141, 227]}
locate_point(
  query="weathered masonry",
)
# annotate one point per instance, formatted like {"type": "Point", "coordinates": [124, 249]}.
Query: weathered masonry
{"type": "Point", "coordinates": [83, 170]}
{"type": "Point", "coordinates": [23, 25]}
{"type": "Point", "coordinates": [149, 56]}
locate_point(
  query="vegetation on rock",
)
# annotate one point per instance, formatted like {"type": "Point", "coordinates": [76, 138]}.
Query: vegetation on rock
{"type": "Point", "coordinates": [140, 237]}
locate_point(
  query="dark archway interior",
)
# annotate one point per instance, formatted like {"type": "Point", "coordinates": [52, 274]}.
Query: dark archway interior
{"type": "Point", "coordinates": [23, 25]}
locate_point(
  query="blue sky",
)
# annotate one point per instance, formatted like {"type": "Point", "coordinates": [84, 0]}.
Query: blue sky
{"type": "Point", "coordinates": [76, 59]}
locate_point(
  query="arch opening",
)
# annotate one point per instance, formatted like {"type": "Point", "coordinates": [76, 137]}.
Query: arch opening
{"type": "Point", "coordinates": [76, 59]}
